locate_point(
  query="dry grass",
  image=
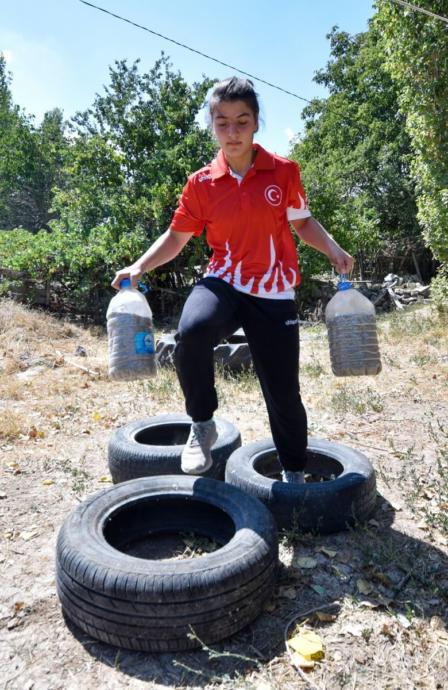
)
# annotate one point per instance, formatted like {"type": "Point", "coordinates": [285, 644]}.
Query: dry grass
{"type": "Point", "coordinates": [389, 577]}
{"type": "Point", "coordinates": [12, 425]}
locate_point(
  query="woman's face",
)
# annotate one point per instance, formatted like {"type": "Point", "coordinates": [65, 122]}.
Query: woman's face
{"type": "Point", "coordinates": [234, 125]}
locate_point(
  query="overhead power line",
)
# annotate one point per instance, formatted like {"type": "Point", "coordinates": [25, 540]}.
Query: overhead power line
{"type": "Point", "coordinates": [416, 8]}
{"type": "Point", "coordinates": [193, 50]}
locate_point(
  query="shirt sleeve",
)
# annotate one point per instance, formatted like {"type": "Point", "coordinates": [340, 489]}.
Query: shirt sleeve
{"type": "Point", "coordinates": [297, 201]}
{"type": "Point", "coordinates": [189, 217]}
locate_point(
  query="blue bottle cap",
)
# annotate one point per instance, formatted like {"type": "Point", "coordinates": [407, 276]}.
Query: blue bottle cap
{"type": "Point", "coordinates": [344, 284]}
{"type": "Point", "coordinates": [126, 282]}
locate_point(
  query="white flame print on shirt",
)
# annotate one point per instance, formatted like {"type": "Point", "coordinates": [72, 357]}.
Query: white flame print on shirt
{"type": "Point", "coordinates": [275, 274]}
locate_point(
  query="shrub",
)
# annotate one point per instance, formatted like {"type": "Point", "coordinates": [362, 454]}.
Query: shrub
{"type": "Point", "coordinates": [79, 268]}
{"type": "Point", "coordinates": [439, 291]}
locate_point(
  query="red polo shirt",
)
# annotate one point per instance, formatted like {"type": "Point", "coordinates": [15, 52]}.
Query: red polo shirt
{"type": "Point", "coordinates": [247, 223]}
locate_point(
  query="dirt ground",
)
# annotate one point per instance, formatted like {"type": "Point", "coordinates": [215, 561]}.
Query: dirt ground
{"type": "Point", "coordinates": [384, 584]}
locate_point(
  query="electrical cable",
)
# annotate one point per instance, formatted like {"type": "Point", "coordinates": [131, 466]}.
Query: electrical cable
{"type": "Point", "coordinates": [416, 8]}
{"type": "Point", "coordinates": [193, 50]}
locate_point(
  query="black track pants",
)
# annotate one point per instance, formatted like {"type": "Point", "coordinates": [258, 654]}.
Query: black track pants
{"type": "Point", "coordinates": [213, 311]}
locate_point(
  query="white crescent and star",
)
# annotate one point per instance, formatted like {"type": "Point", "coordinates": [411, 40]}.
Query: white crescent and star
{"type": "Point", "coordinates": [273, 195]}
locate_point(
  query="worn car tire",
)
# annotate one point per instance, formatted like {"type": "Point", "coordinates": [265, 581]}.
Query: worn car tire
{"type": "Point", "coordinates": [233, 354]}
{"type": "Point", "coordinates": [317, 506]}
{"type": "Point", "coordinates": [154, 604]}
{"type": "Point", "coordinates": [153, 446]}
{"type": "Point", "coordinates": [165, 350]}
{"type": "Point", "coordinates": [233, 357]}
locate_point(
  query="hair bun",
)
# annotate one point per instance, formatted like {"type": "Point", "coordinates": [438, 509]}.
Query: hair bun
{"type": "Point", "coordinates": [234, 89]}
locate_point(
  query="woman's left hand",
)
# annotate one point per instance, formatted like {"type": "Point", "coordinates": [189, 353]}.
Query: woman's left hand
{"type": "Point", "coordinates": [341, 260]}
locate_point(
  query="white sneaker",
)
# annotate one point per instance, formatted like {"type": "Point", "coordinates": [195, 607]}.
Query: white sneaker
{"type": "Point", "coordinates": [293, 477]}
{"type": "Point", "coordinates": [196, 456]}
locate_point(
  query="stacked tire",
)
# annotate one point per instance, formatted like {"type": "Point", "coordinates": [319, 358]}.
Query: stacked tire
{"type": "Point", "coordinates": [160, 605]}
{"type": "Point", "coordinates": [115, 588]}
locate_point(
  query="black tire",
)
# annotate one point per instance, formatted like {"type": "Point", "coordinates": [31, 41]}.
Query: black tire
{"type": "Point", "coordinates": [153, 446]}
{"type": "Point", "coordinates": [165, 350]}
{"type": "Point", "coordinates": [234, 357]}
{"type": "Point", "coordinates": [152, 605]}
{"type": "Point", "coordinates": [233, 353]}
{"type": "Point", "coordinates": [316, 506]}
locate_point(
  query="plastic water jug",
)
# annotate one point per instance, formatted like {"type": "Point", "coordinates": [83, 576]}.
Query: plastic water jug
{"type": "Point", "coordinates": [352, 335]}
{"type": "Point", "coordinates": [130, 335]}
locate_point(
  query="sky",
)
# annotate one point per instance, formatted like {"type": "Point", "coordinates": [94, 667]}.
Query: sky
{"type": "Point", "coordinates": [59, 51]}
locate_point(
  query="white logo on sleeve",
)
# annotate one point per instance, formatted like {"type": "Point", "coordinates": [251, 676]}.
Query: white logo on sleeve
{"type": "Point", "coordinates": [273, 194]}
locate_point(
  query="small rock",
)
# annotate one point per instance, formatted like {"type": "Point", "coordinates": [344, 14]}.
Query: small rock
{"type": "Point", "coordinates": [344, 570]}
{"type": "Point", "coordinates": [354, 629]}
{"type": "Point", "coordinates": [30, 373]}
{"type": "Point", "coordinates": [305, 562]}
{"type": "Point", "coordinates": [404, 622]}
{"type": "Point", "coordinates": [437, 623]}
{"type": "Point", "coordinates": [392, 278]}
{"type": "Point", "coordinates": [80, 351]}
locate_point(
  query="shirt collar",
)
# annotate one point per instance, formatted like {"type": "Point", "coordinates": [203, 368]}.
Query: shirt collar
{"type": "Point", "coordinates": [263, 161]}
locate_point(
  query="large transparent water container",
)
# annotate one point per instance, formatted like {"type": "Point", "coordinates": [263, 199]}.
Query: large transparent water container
{"type": "Point", "coordinates": [352, 334]}
{"type": "Point", "coordinates": [130, 335]}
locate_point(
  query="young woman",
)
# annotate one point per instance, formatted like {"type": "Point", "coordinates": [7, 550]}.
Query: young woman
{"type": "Point", "coordinates": [246, 198]}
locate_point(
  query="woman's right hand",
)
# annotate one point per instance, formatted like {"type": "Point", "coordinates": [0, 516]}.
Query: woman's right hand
{"type": "Point", "coordinates": [134, 273]}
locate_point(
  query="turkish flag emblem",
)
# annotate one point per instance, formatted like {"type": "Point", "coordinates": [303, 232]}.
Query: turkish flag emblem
{"type": "Point", "coordinates": [273, 195]}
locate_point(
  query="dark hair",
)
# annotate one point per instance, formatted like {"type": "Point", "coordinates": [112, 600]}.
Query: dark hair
{"type": "Point", "coordinates": [234, 89]}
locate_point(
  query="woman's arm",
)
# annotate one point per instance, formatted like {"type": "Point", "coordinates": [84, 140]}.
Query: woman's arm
{"type": "Point", "coordinates": [314, 234]}
{"type": "Point", "coordinates": [165, 248]}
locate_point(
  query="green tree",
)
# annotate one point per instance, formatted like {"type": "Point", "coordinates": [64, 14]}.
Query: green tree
{"type": "Point", "coordinates": [127, 161]}
{"type": "Point", "coordinates": [416, 50]}
{"type": "Point", "coordinates": [15, 144]}
{"type": "Point", "coordinates": [131, 154]}
{"type": "Point", "coordinates": [134, 149]}
{"type": "Point", "coordinates": [31, 161]}
{"type": "Point", "coordinates": [52, 148]}
{"type": "Point", "coordinates": [355, 155]}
